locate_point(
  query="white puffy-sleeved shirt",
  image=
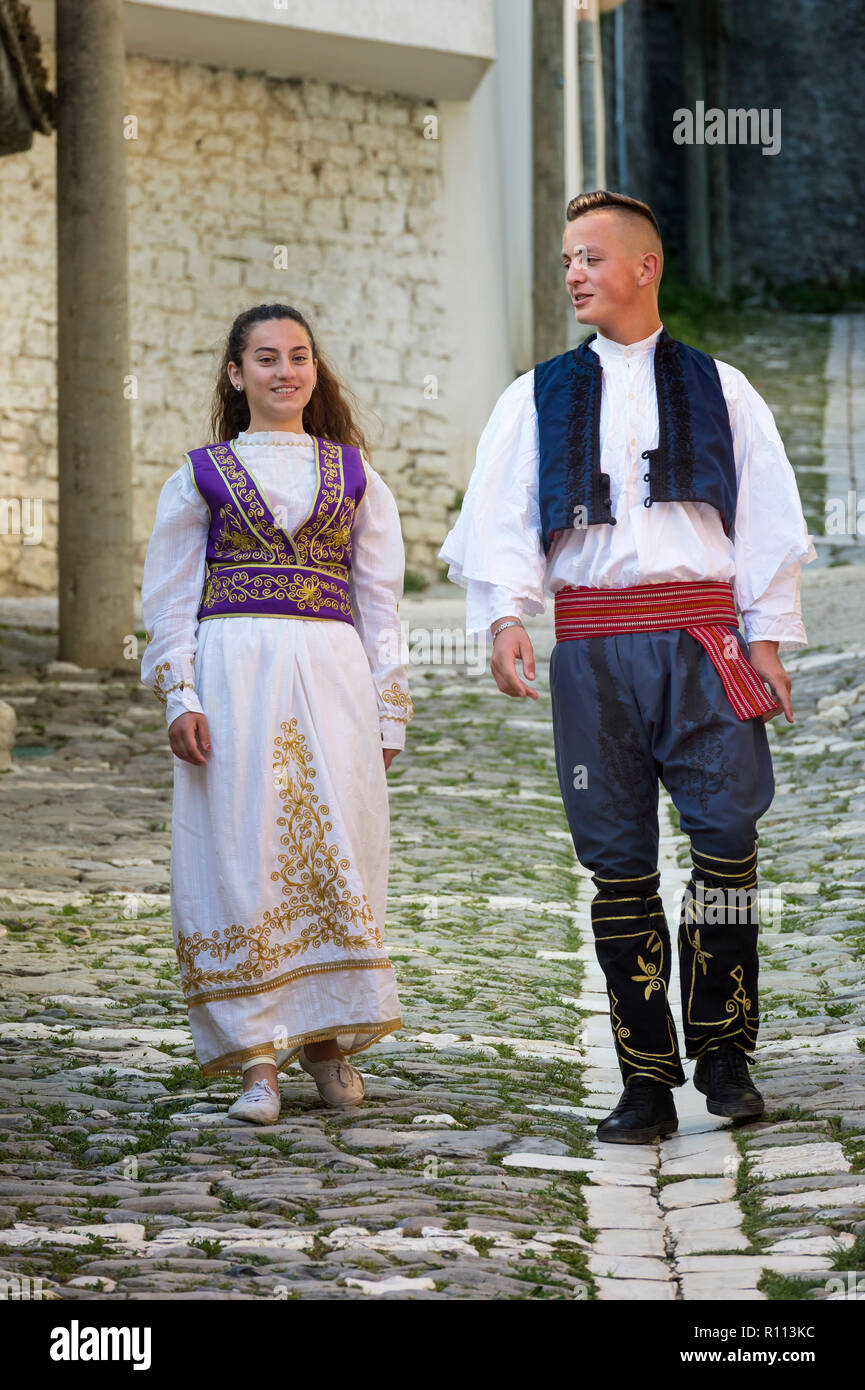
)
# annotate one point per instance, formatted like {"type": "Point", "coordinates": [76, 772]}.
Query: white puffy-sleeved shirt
{"type": "Point", "coordinates": [176, 563]}
{"type": "Point", "coordinates": [495, 550]}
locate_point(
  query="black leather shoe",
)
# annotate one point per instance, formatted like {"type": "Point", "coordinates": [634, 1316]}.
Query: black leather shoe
{"type": "Point", "coordinates": [723, 1077]}
{"type": "Point", "coordinates": [644, 1111]}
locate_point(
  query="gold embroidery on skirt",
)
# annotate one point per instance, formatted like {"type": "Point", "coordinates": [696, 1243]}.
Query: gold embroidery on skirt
{"type": "Point", "coordinates": [314, 885]}
{"type": "Point", "coordinates": [230, 1061]}
{"type": "Point", "coordinates": [322, 968]}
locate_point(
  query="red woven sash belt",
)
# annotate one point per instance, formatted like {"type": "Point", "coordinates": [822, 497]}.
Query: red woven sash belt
{"type": "Point", "coordinates": [705, 610]}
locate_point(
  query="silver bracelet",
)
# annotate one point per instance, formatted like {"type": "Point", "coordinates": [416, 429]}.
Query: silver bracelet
{"type": "Point", "coordinates": [514, 622]}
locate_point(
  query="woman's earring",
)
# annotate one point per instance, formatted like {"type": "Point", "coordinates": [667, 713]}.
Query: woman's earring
{"type": "Point", "coordinates": [238, 388]}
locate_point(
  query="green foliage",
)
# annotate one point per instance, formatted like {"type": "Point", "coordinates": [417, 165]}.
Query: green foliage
{"type": "Point", "coordinates": [414, 582]}
{"type": "Point", "coordinates": [209, 1248]}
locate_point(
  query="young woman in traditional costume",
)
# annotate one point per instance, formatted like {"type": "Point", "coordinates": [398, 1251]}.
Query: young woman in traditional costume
{"type": "Point", "coordinates": [270, 595]}
{"type": "Point", "coordinates": [645, 485]}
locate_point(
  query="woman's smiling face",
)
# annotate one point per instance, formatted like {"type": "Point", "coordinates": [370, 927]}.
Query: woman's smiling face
{"type": "Point", "coordinates": [278, 373]}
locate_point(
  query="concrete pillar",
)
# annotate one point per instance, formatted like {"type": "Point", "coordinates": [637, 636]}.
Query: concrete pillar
{"type": "Point", "coordinates": [717, 28]}
{"type": "Point", "coordinates": [513, 76]}
{"type": "Point", "coordinates": [552, 311]}
{"type": "Point", "coordinates": [591, 87]}
{"type": "Point", "coordinates": [476, 234]}
{"type": "Point", "coordinates": [698, 233]}
{"type": "Point", "coordinates": [95, 469]}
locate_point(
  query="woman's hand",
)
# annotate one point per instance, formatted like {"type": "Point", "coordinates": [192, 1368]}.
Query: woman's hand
{"type": "Point", "coordinates": [514, 644]}
{"type": "Point", "coordinates": [189, 737]}
{"type": "Point", "coordinates": [389, 755]}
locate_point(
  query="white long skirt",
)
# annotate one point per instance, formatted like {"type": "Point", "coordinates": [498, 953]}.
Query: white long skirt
{"type": "Point", "coordinates": [280, 846]}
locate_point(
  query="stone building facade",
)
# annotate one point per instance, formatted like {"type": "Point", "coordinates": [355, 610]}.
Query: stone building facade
{"type": "Point", "coordinates": [242, 189]}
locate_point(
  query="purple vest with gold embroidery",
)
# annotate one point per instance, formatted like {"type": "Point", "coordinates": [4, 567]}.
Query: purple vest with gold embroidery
{"type": "Point", "coordinates": [254, 565]}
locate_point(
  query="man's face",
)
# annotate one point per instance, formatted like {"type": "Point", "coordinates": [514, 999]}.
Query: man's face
{"type": "Point", "coordinates": [601, 271]}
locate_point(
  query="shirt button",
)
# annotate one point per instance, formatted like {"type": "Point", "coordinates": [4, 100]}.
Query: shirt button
{"type": "Point", "coordinates": [630, 395]}
{"type": "Point", "coordinates": [633, 441]}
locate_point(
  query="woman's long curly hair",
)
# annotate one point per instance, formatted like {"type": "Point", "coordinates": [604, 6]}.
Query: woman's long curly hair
{"type": "Point", "coordinates": [331, 411]}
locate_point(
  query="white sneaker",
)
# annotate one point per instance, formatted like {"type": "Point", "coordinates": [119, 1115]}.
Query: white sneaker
{"type": "Point", "coordinates": [260, 1104]}
{"type": "Point", "coordinates": [338, 1082]}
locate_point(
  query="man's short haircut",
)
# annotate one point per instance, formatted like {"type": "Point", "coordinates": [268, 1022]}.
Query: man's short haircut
{"type": "Point", "coordinates": [620, 202]}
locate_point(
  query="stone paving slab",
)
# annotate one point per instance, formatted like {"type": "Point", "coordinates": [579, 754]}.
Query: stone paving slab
{"type": "Point", "coordinates": [630, 1242]}
{"type": "Point", "coordinates": [628, 1290]}
{"type": "Point", "coordinates": [629, 1267]}
{"type": "Point", "coordinates": [801, 1158]}
{"type": "Point", "coordinates": [715, 1216]}
{"type": "Point", "coordinates": [825, 1197]}
{"type": "Point", "coordinates": [713, 1239]}
{"type": "Point", "coordinates": [696, 1192]}
{"type": "Point", "coordinates": [632, 1209]}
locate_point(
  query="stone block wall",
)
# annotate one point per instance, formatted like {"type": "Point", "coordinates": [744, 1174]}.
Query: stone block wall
{"type": "Point", "coordinates": [224, 167]}
{"type": "Point", "coordinates": [795, 215]}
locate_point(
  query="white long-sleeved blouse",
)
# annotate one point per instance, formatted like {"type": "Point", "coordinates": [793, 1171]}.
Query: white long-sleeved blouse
{"type": "Point", "coordinates": [176, 563]}
{"type": "Point", "coordinates": [495, 551]}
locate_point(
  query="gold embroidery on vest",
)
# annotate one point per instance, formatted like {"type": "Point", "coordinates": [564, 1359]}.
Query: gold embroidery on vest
{"type": "Point", "coordinates": [235, 476]}
{"type": "Point", "coordinates": [307, 539]}
{"type": "Point", "coordinates": [323, 539]}
{"type": "Point", "coordinates": [333, 542]}
{"type": "Point", "coordinates": [235, 540]}
{"type": "Point", "coordinates": [237, 586]}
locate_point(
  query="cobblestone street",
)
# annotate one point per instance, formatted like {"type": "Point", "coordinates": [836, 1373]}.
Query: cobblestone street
{"type": "Point", "coordinates": [472, 1170]}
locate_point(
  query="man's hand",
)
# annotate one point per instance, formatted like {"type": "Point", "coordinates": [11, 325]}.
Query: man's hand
{"type": "Point", "coordinates": [189, 737]}
{"type": "Point", "coordinates": [513, 645]}
{"type": "Point", "coordinates": [389, 755]}
{"type": "Point", "coordinates": [763, 656]}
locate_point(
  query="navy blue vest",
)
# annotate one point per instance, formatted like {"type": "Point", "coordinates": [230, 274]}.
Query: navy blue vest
{"type": "Point", "coordinates": [693, 461]}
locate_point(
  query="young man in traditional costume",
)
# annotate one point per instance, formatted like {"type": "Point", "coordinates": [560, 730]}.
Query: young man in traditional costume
{"type": "Point", "coordinates": [645, 485]}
